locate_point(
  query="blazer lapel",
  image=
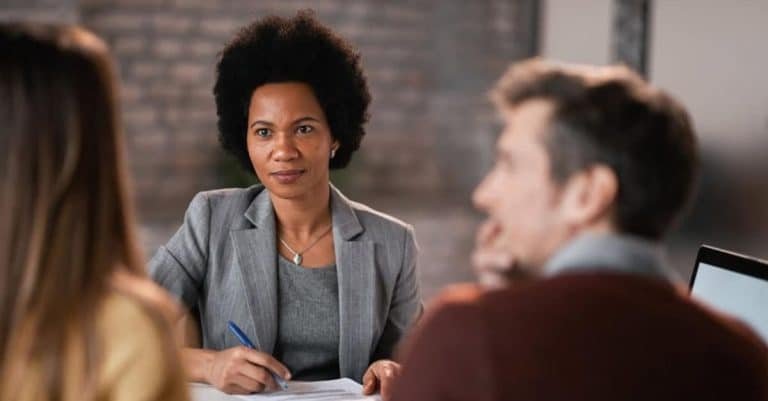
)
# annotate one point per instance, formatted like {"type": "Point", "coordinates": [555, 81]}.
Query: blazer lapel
{"type": "Point", "coordinates": [356, 275]}
{"type": "Point", "coordinates": [257, 260]}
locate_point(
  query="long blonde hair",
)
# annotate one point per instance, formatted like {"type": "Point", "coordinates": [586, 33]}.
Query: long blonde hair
{"type": "Point", "coordinates": [66, 224]}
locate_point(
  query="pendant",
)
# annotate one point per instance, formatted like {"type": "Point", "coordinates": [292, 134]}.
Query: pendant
{"type": "Point", "coordinates": [297, 259]}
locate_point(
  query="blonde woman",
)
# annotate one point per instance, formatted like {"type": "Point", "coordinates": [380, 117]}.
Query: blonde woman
{"type": "Point", "coordinates": [78, 320]}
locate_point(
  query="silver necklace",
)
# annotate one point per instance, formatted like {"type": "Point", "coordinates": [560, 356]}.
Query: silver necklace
{"type": "Point", "coordinates": [297, 258]}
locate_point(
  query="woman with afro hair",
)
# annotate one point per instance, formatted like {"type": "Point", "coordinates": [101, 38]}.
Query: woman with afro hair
{"type": "Point", "coordinates": [323, 286]}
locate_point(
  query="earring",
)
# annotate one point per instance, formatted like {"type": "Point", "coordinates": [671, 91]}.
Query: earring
{"type": "Point", "coordinates": [333, 152]}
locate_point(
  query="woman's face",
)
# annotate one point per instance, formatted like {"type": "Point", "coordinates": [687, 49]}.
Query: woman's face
{"type": "Point", "coordinates": [289, 141]}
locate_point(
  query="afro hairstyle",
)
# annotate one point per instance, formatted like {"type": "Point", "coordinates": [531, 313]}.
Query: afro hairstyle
{"type": "Point", "coordinates": [297, 49]}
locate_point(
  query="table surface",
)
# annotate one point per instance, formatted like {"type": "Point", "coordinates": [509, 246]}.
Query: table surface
{"type": "Point", "coordinates": [329, 390]}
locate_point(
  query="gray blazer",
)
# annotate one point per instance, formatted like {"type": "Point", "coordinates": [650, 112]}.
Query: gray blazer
{"type": "Point", "coordinates": [222, 262]}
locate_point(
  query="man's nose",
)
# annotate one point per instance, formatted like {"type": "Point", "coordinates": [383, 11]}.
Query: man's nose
{"type": "Point", "coordinates": [481, 194]}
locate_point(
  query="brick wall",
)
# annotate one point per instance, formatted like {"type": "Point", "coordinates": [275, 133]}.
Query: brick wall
{"type": "Point", "coordinates": [39, 10]}
{"type": "Point", "coordinates": [430, 138]}
{"type": "Point", "coordinates": [429, 64]}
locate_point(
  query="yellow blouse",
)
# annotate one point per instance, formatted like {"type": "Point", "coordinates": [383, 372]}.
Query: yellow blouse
{"type": "Point", "coordinates": [140, 360]}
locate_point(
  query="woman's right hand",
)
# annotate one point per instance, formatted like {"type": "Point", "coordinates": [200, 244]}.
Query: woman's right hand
{"type": "Point", "coordinates": [242, 370]}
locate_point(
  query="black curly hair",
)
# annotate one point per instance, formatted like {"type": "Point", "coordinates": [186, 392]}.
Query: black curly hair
{"type": "Point", "coordinates": [297, 49]}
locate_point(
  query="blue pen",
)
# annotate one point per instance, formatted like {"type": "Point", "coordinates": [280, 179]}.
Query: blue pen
{"type": "Point", "coordinates": [247, 342]}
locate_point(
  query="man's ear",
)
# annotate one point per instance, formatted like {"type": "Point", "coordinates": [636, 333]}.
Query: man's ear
{"type": "Point", "coordinates": [588, 196]}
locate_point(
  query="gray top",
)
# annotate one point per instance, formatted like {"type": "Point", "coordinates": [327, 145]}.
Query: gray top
{"type": "Point", "coordinates": [308, 321]}
{"type": "Point", "coordinates": [612, 253]}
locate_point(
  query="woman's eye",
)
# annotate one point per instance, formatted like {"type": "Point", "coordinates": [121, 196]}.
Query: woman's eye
{"type": "Point", "coordinates": [263, 132]}
{"type": "Point", "coordinates": [305, 129]}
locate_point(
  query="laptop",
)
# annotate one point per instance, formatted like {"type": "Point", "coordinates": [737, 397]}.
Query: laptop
{"type": "Point", "coordinates": [733, 283]}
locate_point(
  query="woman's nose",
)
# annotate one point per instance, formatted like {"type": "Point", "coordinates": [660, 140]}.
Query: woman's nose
{"type": "Point", "coordinates": [285, 148]}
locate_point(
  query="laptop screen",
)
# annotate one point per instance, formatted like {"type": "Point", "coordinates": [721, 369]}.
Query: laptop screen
{"type": "Point", "coordinates": [738, 294]}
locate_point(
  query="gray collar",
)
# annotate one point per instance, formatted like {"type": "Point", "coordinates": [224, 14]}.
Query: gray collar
{"type": "Point", "coordinates": [346, 225]}
{"type": "Point", "coordinates": [611, 252]}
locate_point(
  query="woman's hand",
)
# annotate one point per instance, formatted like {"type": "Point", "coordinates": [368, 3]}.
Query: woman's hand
{"type": "Point", "coordinates": [242, 370]}
{"type": "Point", "coordinates": [380, 376]}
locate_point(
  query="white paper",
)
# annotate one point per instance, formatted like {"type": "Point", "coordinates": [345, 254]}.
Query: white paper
{"type": "Point", "coordinates": [328, 390]}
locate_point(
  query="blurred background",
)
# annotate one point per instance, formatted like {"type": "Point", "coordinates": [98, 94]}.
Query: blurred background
{"type": "Point", "coordinates": [431, 135]}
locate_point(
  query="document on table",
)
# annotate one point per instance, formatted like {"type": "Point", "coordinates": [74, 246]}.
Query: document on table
{"type": "Point", "coordinates": [328, 390]}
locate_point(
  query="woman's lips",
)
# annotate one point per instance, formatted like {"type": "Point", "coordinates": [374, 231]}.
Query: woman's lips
{"type": "Point", "coordinates": [287, 176]}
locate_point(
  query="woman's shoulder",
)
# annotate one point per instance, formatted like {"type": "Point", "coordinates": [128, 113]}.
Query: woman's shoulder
{"type": "Point", "coordinates": [223, 206]}
{"type": "Point", "coordinates": [384, 227]}
{"type": "Point", "coordinates": [137, 314]}
{"type": "Point", "coordinates": [129, 321]}
{"type": "Point", "coordinates": [130, 292]}
{"type": "Point", "coordinates": [371, 218]}
{"type": "Point", "coordinates": [370, 215]}
{"type": "Point", "coordinates": [140, 353]}
{"type": "Point", "coordinates": [230, 198]}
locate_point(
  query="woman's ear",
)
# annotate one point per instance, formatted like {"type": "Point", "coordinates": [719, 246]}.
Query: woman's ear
{"type": "Point", "coordinates": [334, 148]}
{"type": "Point", "coordinates": [588, 197]}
